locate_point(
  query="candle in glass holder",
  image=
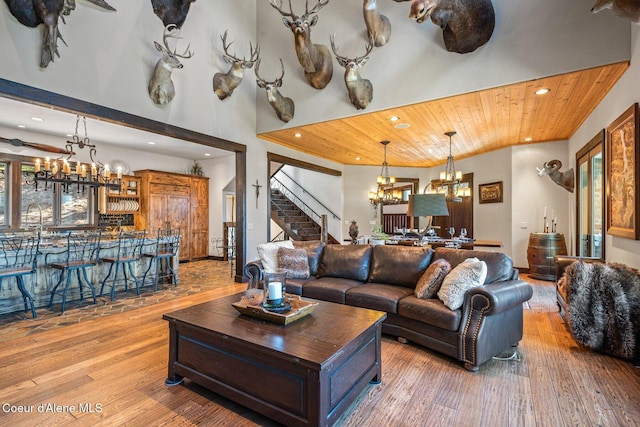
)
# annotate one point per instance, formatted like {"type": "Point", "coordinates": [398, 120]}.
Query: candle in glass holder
{"type": "Point", "coordinates": [47, 163]}
{"type": "Point", "coordinates": [275, 290]}
{"type": "Point", "coordinates": [37, 165]}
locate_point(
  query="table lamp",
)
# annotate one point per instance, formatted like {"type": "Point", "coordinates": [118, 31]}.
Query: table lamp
{"type": "Point", "coordinates": [428, 205]}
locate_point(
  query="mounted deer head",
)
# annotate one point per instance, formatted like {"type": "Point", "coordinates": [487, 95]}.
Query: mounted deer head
{"type": "Point", "coordinates": [360, 90]}
{"type": "Point", "coordinates": [171, 11]}
{"type": "Point", "coordinates": [35, 12]}
{"type": "Point", "coordinates": [378, 26]}
{"type": "Point", "coordinates": [315, 59]}
{"type": "Point", "coordinates": [225, 83]}
{"type": "Point", "coordinates": [161, 89]}
{"type": "Point", "coordinates": [563, 179]}
{"type": "Point", "coordinates": [627, 9]}
{"type": "Point", "coordinates": [284, 107]}
{"type": "Point", "coordinates": [466, 24]}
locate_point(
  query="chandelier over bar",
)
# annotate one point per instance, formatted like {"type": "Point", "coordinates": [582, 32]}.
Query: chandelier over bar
{"type": "Point", "coordinates": [384, 182]}
{"type": "Point", "coordinates": [82, 175]}
{"type": "Point", "coordinates": [451, 179]}
{"type": "Point", "coordinates": [384, 178]}
{"type": "Point", "coordinates": [450, 174]}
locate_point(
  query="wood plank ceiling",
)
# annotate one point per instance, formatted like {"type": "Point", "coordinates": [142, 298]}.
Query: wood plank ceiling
{"type": "Point", "coordinates": [485, 121]}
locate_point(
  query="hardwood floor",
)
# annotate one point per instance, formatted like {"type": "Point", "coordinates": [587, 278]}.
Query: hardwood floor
{"type": "Point", "coordinates": [111, 371]}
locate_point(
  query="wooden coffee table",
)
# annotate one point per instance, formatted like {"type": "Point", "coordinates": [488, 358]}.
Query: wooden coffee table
{"type": "Point", "coordinates": [304, 373]}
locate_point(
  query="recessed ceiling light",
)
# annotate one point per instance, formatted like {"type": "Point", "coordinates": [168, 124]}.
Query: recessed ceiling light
{"type": "Point", "coordinates": [357, 159]}
{"type": "Point", "coordinates": [21, 126]}
{"type": "Point", "coordinates": [207, 154]}
{"type": "Point", "coordinates": [543, 91]}
{"type": "Point", "coordinates": [394, 118]}
{"type": "Point", "coordinates": [402, 126]}
{"type": "Point", "coordinates": [297, 135]}
{"type": "Point", "coordinates": [37, 119]}
{"type": "Point", "coordinates": [69, 135]}
{"type": "Point", "coordinates": [528, 139]}
{"type": "Point", "coordinates": [151, 143]}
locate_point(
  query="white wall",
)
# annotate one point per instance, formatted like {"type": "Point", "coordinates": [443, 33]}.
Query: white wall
{"type": "Point", "coordinates": [220, 171]}
{"type": "Point", "coordinates": [531, 39]}
{"type": "Point", "coordinates": [622, 96]}
{"type": "Point", "coordinates": [531, 194]}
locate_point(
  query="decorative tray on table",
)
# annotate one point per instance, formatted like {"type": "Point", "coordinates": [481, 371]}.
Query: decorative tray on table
{"type": "Point", "coordinates": [251, 305]}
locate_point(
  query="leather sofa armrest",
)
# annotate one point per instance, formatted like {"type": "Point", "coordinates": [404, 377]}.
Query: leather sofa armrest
{"type": "Point", "coordinates": [563, 261]}
{"type": "Point", "coordinates": [253, 271]}
{"type": "Point", "coordinates": [500, 296]}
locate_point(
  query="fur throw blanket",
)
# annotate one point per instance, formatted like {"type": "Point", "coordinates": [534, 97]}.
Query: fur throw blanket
{"type": "Point", "coordinates": [604, 307]}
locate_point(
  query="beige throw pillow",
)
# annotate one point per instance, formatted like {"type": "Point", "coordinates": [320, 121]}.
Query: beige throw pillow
{"type": "Point", "coordinates": [431, 280]}
{"type": "Point", "coordinates": [294, 262]}
{"type": "Point", "coordinates": [268, 253]}
{"type": "Point", "coordinates": [470, 273]}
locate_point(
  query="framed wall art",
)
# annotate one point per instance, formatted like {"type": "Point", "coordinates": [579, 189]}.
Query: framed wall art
{"type": "Point", "coordinates": [622, 174]}
{"type": "Point", "coordinates": [490, 193]}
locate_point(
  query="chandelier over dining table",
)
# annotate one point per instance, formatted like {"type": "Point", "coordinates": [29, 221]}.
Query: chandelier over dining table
{"type": "Point", "coordinates": [75, 174]}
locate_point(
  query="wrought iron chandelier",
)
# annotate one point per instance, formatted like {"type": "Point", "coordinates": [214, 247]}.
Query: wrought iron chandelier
{"type": "Point", "coordinates": [451, 179]}
{"type": "Point", "coordinates": [82, 176]}
{"type": "Point", "coordinates": [385, 192]}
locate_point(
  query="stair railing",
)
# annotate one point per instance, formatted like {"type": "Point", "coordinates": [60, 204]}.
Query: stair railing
{"type": "Point", "coordinates": [304, 190]}
{"type": "Point", "coordinates": [278, 185]}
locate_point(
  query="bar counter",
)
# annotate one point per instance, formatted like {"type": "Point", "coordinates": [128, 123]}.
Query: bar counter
{"type": "Point", "coordinates": [53, 247]}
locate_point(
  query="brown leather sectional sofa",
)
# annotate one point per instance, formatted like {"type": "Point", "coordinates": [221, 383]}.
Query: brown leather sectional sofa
{"type": "Point", "coordinates": [384, 277]}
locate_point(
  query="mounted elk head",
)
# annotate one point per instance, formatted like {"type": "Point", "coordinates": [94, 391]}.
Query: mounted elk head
{"type": "Point", "coordinates": [225, 83]}
{"type": "Point", "coordinates": [35, 12]}
{"type": "Point", "coordinates": [627, 9]}
{"type": "Point", "coordinates": [378, 26]}
{"type": "Point", "coordinates": [161, 89]}
{"type": "Point", "coordinates": [283, 106]}
{"type": "Point", "coordinates": [171, 11]}
{"type": "Point", "coordinates": [315, 59]}
{"type": "Point", "coordinates": [563, 179]}
{"type": "Point", "coordinates": [360, 90]}
{"type": "Point", "coordinates": [466, 24]}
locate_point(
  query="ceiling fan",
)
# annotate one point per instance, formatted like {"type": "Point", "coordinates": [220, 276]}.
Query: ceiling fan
{"type": "Point", "coordinates": [43, 147]}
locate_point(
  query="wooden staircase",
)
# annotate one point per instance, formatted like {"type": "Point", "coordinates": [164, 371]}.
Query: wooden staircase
{"type": "Point", "coordinates": [295, 223]}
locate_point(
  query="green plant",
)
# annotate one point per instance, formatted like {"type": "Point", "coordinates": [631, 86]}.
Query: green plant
{"type": "Point", "coordinates": [378, 233]}
{"type": "Point", "coordinates": [196, 169]}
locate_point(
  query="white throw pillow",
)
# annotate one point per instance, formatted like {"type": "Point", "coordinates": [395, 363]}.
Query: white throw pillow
{"type": "Point", "coordinates": [268, 253]}
{"type": "Point", "coordinates": [470, 273]}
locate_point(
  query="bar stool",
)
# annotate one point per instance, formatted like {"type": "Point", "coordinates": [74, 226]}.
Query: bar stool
{"type": "Point", "coordinates": [18, 258]}
{"type": "Point", "coordinates": [80, 254]}
{"type": "Point", "coordinates": [128, 252]}
{"type": "Point", "coordinates": [162, 255]}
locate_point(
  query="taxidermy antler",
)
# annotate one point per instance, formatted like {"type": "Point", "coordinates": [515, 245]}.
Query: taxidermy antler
{"type": "Point", "coordinates": [627, 9]}
{"type": "Point", "coordinates": [171, 11]}
{"type": "Point", "coordinates": [563, 179]}
{"type": "Point", "coordinates": [315, 59]}
{"type": "Point", "coordinates": [466, 24]}
{"type": "Point", "coordinates": [225, 83]}
{"type": "Point", "coordinates": [35, 12]}
{"type": "Point", "coordinates": [283, 106]}
{"type": "Point", "coordinates": [378, 25]}
{"type": "Point", "coordinates": [360, 90]}
{"type": "Point", "coordinates": [161, 88]}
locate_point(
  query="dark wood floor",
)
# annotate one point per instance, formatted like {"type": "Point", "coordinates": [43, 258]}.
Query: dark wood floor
{"type": "Point", "coordinates": [111, 371]}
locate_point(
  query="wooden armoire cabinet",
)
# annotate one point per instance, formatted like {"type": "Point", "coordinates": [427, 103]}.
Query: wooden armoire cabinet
{"type": "Point", "coordinates": [172, 200]}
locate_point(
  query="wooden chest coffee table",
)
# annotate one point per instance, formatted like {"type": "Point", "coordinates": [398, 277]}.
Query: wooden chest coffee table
{"type": "Point", "coordinates": [304, 373]}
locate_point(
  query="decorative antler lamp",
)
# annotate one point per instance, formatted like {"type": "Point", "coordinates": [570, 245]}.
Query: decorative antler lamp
{"type": "Point", "coordinates": [429, 205]}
